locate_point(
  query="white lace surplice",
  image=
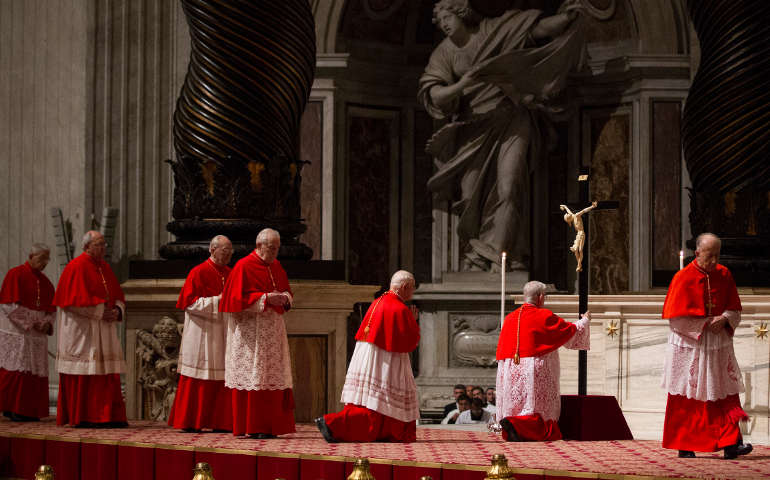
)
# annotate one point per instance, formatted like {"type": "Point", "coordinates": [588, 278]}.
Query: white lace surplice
{"type": "Point", "coordinates": [532, 386]}
{"type": "Point", "coordinates": [86, 344]}
{"type": "Point", "coordinates": [381, 381]}
{"type": "Point", "coordinates": [202, 353]}
{"type": "Point", "coordinates": [22, 348]}
{"type": "Point", "coordinates": [257, 353]}
{"type": "Point", "coordinates": [701, 364]}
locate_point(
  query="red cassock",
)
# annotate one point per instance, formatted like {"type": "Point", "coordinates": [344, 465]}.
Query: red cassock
{"type": "Point", "coordinates": [202, 403]}
{"type": "Point", "coordinates": [257, 409]}
{"type": "Point", "coordinates": [692, 424]}
{"type": "Point", "coordinates": [23, 392]}
{"type": "Point", "coordinates": [86, 282]}
{"type": "Point", "coordinates": [539, 332]}
{"type": "Point", "coordinates": [391, 327]}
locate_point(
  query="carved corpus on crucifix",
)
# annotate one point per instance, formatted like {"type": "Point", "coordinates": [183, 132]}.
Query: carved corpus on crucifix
{"type": "Point", "coordinates": [576, 221]}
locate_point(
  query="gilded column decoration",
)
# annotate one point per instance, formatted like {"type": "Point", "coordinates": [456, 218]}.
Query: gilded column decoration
{"type": "Point", "coordinates": [236, 125]}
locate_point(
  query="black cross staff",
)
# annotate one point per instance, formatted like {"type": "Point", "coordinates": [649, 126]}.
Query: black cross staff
{"type": "Point", "coordinates": [583, 195]}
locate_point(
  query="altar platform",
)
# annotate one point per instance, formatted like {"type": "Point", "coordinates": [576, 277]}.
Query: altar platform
{"type": "Point", "coordinates": [150, 450]}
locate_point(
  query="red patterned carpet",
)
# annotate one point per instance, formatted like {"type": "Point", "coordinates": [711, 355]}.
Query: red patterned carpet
{"type": "Point", "coordinates": [152, 450]}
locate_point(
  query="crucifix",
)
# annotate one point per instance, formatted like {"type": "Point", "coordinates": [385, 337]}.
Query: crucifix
{"type": "Point", "coordinates": [580, 222]}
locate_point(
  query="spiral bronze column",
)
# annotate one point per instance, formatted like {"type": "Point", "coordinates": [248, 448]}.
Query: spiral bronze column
{"type": "Point", "coordinates": [726, 133]}
{"type": "Point", "coordinates": [236, 125]}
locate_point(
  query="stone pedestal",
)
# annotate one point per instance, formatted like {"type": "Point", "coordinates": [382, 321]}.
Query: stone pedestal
{"type": "Point", "coordinates": [459, 328]}
{"type": "Point", "coordinates": [317, 325]}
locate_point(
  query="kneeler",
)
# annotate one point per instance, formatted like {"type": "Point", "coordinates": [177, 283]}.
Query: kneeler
{"type": "Point", "coordinates": [592, 417]}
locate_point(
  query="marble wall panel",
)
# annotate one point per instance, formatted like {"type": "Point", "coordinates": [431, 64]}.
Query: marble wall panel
{"type": "Point", "coordinates": [423, 214]}
{"type": "Point", "coordinates": [555, 256]}
{"type": "Point", "coordinates": [310, 150]}
{"type": "Point", "coordinates": [610, 147]}
{"type": "Point", "coordinates": [140, 52]}
{"type": "Point", "coordinates": [666, 185]}
{"type": "Point", "coordinates": [644, 350]}
{"type": "Point", "coordinates": [371, 154]}
{"type": "Point", "coordinates": [309, 374]}
{"type": "Point", "coordinates": [43, 99]}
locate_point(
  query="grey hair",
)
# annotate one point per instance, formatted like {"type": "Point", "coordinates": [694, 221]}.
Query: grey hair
{"type": "Point", "coordinates": [703, 237]}
{"type": "Point", "coordinates": [461, 8]}
{"type": "Point", "coordinates": [400, 278]}
{"type": "Point", "coordinates": [37, 248]}
{"type": "Point", "coordinates": [264, 234]}
{"type": "Point", "coordinates": [87, 238]}
{"type": "Point", "coordinates": [532, 290]}
{"type": "Point", "coordinates": [217, 242]}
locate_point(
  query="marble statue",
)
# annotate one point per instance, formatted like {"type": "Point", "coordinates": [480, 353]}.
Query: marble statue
{"type": "Point", "coordinates": [494, 81]}
{"type": "Point", "coordinates": [158, 354]}
{"type": "Point", "coordinates": [576, 221]}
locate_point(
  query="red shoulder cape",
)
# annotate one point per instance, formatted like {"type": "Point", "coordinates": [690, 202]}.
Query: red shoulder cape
{"type": "Point", "coordinates": [204, 280]}
{"type": "Point", "coordinates": [21, 286]}
{"type": "Point", "coordinates": [392, 326]}
{"type": "Point", "coordinates": [541, 332]}
{"type": "Point", "coordinates": [86, 282]}
{"type": "Point", "coordinates": [688, 293]}
{"type": "Point", "coordinates": [249, 280]}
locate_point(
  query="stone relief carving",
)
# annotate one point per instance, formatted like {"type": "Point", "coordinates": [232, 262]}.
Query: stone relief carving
{"type": "Point", "coordinates": [473, 340]}
{"type": "Point", "coordinates": [435, 399]}
{"type": "Point", "coordinates": [157, 353]}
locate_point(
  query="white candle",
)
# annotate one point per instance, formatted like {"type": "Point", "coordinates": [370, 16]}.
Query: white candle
{"type": "Point", "coordinates": [502, 290]}
{"type": "Point", "coordinates": [681, 259]}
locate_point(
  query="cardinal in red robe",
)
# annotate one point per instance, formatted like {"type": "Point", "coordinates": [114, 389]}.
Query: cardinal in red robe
{"type": "Point", "coordinates": [701, 373]}
{"type": "Point", "coordinates": [528, 397]}
{"type": "Point", "coordinates": [380, 394]}
{"type": "Point", "coordinates": [26, 319]}
{"type": "Point", "coordinates": [257, 360]}
{"type": "Point", "coordinates": [89, 354]}
{"type": "Point", "coordinates": [202, 400]}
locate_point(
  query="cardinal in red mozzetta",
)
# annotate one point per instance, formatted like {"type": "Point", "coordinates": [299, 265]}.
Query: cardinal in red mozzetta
{"type": "Point", "coordinates": [528, 397]}
{"type": "Point", "coordinates": [380, 394]}
{"type": "Point", "coordinates": [89, 354]}
{"type": "Point", "coordinates": [257, 362]}
{"type": "Point", "coordinates": [701, 373]}
{"type": "Point", "coordinates": [26, 319]}
{"type": "Point", "coordinates": [202, 400]}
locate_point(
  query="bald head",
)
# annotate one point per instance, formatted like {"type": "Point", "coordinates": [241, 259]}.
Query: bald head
{"type": "Point", "coordinates": [221, 250]}
{"type": "Point", "coordinates": [533, 290]}
{"type": "Point", "coordinates": [707, 238]}
{"type": "Point", "coordinates": [707, 248]}
{"type": "Point", "coordinates": [268, 244]}
{"type": "Point", "coordinates": [402, 282]}
{"type": "Point", "coordinates": [39, 255]}
{"type": "Point", "coordinates": [94, 244]}
{"type": "Point", "coordinates": [266, 234]}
